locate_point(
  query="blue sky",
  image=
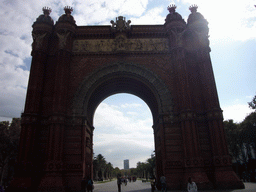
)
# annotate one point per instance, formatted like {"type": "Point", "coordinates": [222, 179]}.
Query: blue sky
{"type": "Point", "coordinates": [232, 33]}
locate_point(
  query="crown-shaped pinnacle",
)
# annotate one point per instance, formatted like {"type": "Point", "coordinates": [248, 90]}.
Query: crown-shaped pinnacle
{"type": "Point", "coordinates": [193, 8]}
{"type": "Point", "coordinates": [171, 8]}
{"type": "Point", "coordinates": [47, 10]}
{"type": "Point", "coordinates": [68, 9]}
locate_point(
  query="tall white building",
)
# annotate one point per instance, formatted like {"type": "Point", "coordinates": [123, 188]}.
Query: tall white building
{"type": "Point", "coordinates": [126, 164]}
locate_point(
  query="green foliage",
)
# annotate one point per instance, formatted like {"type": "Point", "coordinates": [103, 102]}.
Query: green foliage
{"type": "Point", "coordinates": [234, 140]}
{"type": "Point", "coordinates": [9, 141]}
{"type": "Point", "coordinates": [241, 139]}
{"type": "Point", "coordinates": [248, 127]}
{"type": "Point", "coordinates": [101, 168]}
{"type": "Point", "coordinates": [146, 169]}
{"type": "Point", "coordinates": [252, 104]}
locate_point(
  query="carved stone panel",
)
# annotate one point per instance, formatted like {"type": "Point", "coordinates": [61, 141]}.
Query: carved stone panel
{"type": "Point", "coordinates": [121, 43]}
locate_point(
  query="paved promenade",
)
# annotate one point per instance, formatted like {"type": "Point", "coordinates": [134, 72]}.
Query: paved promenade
{"type": "Point", "coordinates": [138, 186]}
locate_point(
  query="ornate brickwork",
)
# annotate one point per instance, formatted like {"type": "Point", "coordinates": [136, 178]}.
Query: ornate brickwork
{"type": "Point", "coordinates": [75, 67]}
{"type": "Point", "coordinates": [121, 43]}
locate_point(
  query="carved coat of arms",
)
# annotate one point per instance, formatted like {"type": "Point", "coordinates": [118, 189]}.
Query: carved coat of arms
{"type": "Point", "coordinates": [120, 24]}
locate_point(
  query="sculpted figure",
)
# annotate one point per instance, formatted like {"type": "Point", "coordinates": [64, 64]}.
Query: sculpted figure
{"type": "Point", "coordinates": [62, 39]}
{"type": "Point", "coordinates": [38, 40]}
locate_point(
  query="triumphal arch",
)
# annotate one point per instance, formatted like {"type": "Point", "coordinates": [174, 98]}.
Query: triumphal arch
{"type": "Point", "coordinates": [74, 68]}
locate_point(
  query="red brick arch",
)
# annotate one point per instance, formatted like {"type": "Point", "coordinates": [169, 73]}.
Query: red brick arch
{"type": "Point", "coordinates": [75, 67]}
{"type": "Point", "coordinates": [122, 78]}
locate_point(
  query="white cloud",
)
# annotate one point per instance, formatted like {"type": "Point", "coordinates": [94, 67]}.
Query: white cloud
{"type": "Point", "coordinates": [118, 137]}
{"type": "Point", "coordinates": [228, 19]}
{"type": "Point", "coordinates": [132, 113]}
{"type": "Point", "coordinates": [131, 105]}
{"type": "Point", "coordinates": [152, 16]}
{"type": "Point", "coordinates": [102, 11]}
{"type": "Point", "coordinates": [117, 149]}
{"type": "Point", "coordinates": [12, 101]}
{"type": "Point", "coordinates": [249, 97]}
{"type": "Point", "coordinates": [237, 112]}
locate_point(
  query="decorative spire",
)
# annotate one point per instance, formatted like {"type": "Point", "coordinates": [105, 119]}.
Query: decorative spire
{"type": "Point", "coordinates": [47, 11]}
{"type": "Point", "coordinates": [68, 10]}
{"type": "Point", "coordinates": [193, 8]}
{"type": "Point", "coordinates": [171, 8]}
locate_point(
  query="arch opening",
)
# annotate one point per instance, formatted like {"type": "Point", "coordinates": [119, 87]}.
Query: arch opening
{"type": "Point", "coordinates": [121, 84]}
{"type": "Point", "coordinates": [121, 78]}
{"type": "Point", "coordinates": [123, 130]}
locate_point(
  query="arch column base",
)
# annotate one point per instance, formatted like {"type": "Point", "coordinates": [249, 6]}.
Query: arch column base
{"type": "Point", "coordinates": [199, 177]}
{"type": "Point", "coordinates": [21, 184]}
{"type": "Point", "coordinates": [51, 182]}
{"type": "Point", "coordinates": [227, 179]}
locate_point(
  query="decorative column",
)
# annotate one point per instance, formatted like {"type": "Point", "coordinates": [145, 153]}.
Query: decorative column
{"type": "Point", "coordinates": [63, 36]}
{"type": "Point", "coordinates": [171, 133]}
{"type": "Point", "coordinates": [180, 42]}
{"type": "Point", "coordinates": [28, 167]}
{"type": "Point", "coordinates": [224, 176]}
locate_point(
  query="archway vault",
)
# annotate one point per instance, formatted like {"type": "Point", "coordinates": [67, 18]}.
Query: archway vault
{"type": "Point", "coordinates": [122, 77]}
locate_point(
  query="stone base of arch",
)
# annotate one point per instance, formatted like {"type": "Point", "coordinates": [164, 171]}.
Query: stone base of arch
{"type": "Point", "coordinates": [51, 182]}
{"type": "Point", "coordinates": [199, 177]}
{"type": "Point", "coordinates": [226, 178]}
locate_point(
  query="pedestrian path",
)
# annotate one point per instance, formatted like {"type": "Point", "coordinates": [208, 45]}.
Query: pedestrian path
{"type": "Point", "coordinates": [139, 186]}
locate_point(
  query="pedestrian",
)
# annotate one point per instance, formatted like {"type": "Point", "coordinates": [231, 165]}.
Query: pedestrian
{"type": "Point", "coordinates": [125, 181]}
{"type": "Point", "coordinates": [84, 184]}
{"type": "Point", "coordinates": [89, 185]}
{"type": "Point", "coordinates": [163, 183]}
{"type": "Point", "coordinates": [153, 183]}
{"type": "Point", "coordinates": [119, 183]}
{"type": "Point", "coordinates": [191, 185]}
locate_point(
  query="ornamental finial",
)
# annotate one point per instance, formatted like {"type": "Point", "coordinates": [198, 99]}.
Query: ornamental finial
{"type": "Point", "coordinates": [68, 10]}
{"type": "Point", "coordinates": [193, 8]}
{"type": "Point", "coordinates": [171, 8]}
{"type": "Point", "coordinates": [47, 11]}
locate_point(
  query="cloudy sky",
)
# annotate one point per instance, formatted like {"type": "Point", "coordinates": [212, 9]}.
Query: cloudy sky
{"type": "Point", "coordinates": [123, 123]}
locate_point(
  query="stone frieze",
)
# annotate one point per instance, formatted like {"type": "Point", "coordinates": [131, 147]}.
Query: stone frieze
{"type": "Point", "coordinates": [121, 43]}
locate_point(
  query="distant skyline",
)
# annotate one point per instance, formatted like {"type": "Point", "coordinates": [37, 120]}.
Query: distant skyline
{"type": "Point", "coordinates": [232, 31]}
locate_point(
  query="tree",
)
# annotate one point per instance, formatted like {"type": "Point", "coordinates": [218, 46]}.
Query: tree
{"type": "Point", "coordinates": [252, 104]}
{"type": "Point", "coordinates": [109, 170]}
{"type": "Point", "coordinates": [9, 141]}
{"type": "Point", "coordinates": [241, 139]}
{"type": "Point", "coordinates": [248, 135]}
{"type": "Point", "coordinates": [234, 140]}
{"type": "Point", "coordinates": [117, 172]}
{"type": "Point", "coordinates": [248, 127]}
{"type": "Point", "coordinates": [151, 163]}
{"type": "Point", "coordinates": [101, 168]}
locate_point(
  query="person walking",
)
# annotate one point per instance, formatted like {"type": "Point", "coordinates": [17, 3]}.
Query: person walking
{"type": "Point", "coordinates": [153, 184]}
{"type": "Point", "coordinates": [119, 183]}
{"type": "Point", "coordinates": [191, 185]}
{"type": "Point", "coordinates": [163, 183]}
{"type": "Point", "coordinates": [89, 185]}
{"type": "Point", "coordinates": [84, 184]}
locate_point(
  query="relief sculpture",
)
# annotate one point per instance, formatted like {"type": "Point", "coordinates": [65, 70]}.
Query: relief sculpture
{"type": "Point", "coordinates": [121, 43]}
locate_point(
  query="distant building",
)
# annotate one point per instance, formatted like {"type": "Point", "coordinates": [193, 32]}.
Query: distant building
{"type": "Point", "coordinates": [126, 164]}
